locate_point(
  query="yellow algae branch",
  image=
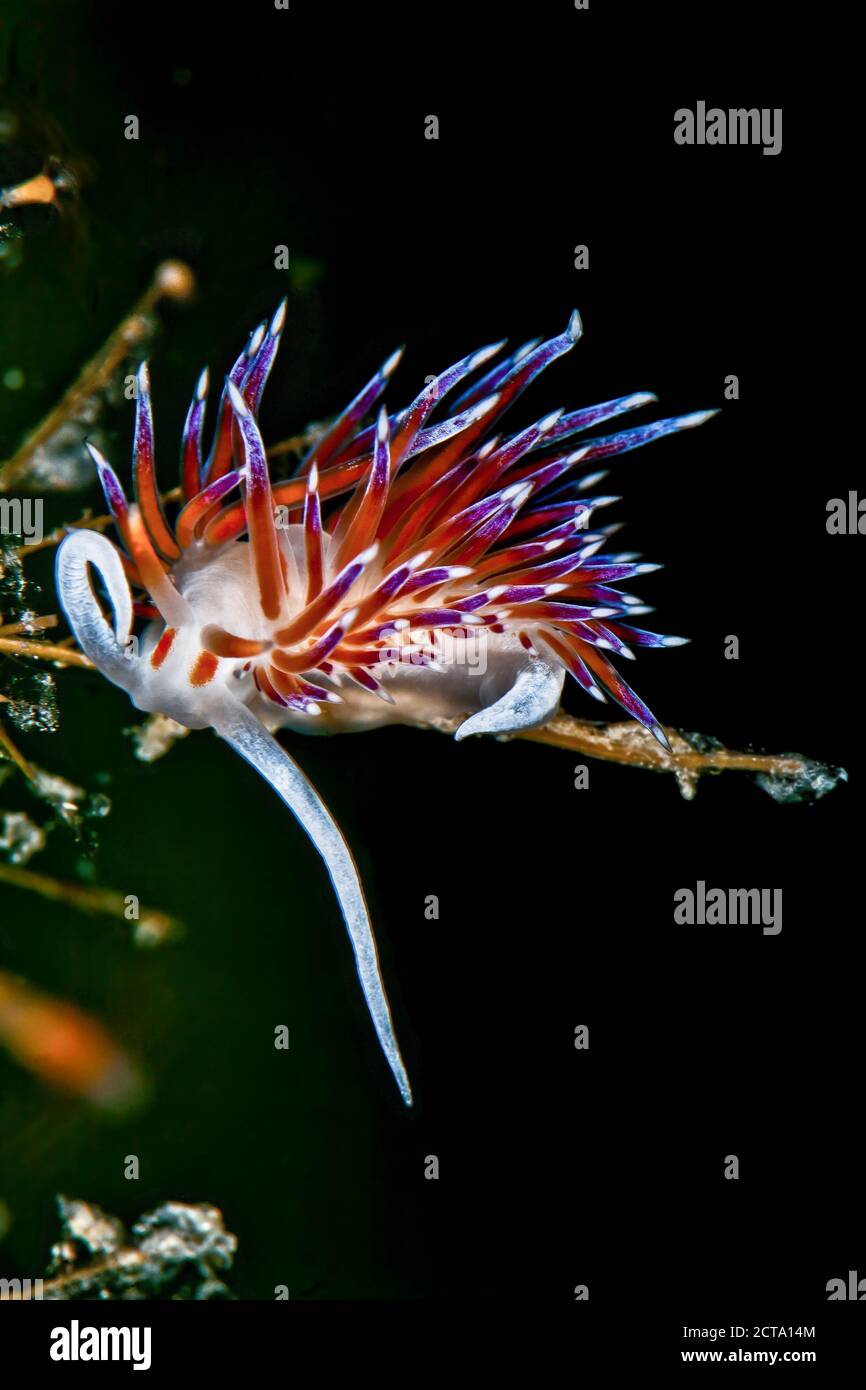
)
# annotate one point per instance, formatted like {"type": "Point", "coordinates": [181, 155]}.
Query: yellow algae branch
{"type": "Point", "coordinates": [151, 927]}
{"type": "Point", "coordinates": [786, 776]}
{"type": "Point", "coordinates": [172, 280]}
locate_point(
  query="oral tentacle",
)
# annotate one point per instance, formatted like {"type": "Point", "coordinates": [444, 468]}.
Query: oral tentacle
{"type": "Point", "coordinates": [242, 731]}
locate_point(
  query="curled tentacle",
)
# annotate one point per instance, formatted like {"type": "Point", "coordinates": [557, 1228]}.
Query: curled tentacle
{"type": "Point", "coordinates": [107, 649]}
{"type": "Point", "coordinates": [532, 699]}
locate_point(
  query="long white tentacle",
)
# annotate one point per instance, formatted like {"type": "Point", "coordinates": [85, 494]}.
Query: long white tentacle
{"type": "Point", "coordinates": [107, 650]}
{"type": "Point", "coordinates": [246, 735]}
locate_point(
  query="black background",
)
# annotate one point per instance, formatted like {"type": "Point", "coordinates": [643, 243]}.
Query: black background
{"type": "Point", "coordinates": [561, 1167]}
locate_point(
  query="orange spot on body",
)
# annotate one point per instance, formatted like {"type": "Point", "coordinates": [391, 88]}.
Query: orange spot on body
{"type": "Point", "coordinates": [203, 669]}
{"type": "Point", "coordinates": [162, 648]}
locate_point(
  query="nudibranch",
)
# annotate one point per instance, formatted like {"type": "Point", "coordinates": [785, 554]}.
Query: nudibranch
{"type": "Point", "coordinates": [360, 591]}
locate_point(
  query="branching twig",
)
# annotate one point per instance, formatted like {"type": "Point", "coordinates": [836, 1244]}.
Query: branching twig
{"type": "Point", "coordinates": [630, 744]}
{"type": "Point", "coordinates": [172, 280]}
{"type": "Point", "coordinates": [88, 522]}
{"type": "Point", "coordinates": [45, 651]}
{"type": "Point", "coordinates": [16, 756]}
{"type": "Point", "coordinates": [67, 1285]}
{"type": "Point", "coordinates": [29, 625]}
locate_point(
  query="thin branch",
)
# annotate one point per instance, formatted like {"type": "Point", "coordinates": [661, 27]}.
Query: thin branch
{"type": "Point", "coordinates": [17, 757]}
{"type": "Point", "coordinates": [630, 744]}
{"type": "Point", "coordinates": [85, 522]}
{"type": "Point", "coordinates": [151, 926]}
{"type": "Point", "coordinates": [298, 443]}
{"type": "Point", "coordinates": [75, 1277]}
{"type": "Point", "coordinates": [45, 651]}
{"type": "Point", "coordinates": [172, 280]}
{"type": "Point", "coordinates": [30, 625]}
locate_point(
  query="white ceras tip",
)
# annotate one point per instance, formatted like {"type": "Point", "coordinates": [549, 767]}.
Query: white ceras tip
{"type": "Point", "coordinates": [416, 561]}
{"type": "Point", "coordinates": [239, 405]}
{"type": "Point", "coordinates": [516, 493]}
{"type": "Point", "coordinates": [279, 319]}
{"type": "Point", "coordinates": [99, 459]}
{"type": "Point", "coordinates": [256, 338]}
{"type": "Point", "coordinates": [550, 420]}
{"type": "Point", "coordinates": [346, 620]}
{"type": "Point", "coordinates": [367, 555]}
{"type": "Point", "coordinates": [591, 479]}
{"type": "Point", "coordinates": [697, 417]}
{"type": "Point", "coordinates": [391, 364]}
{"type": "Point", "coordinates": [526, 348]}
{"type": "Point", "coordinates": [590, 550]}
{"type": "Point", "coordinates": [483, 407]}
{"type": "Point", "coordinates": [484, 354]}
